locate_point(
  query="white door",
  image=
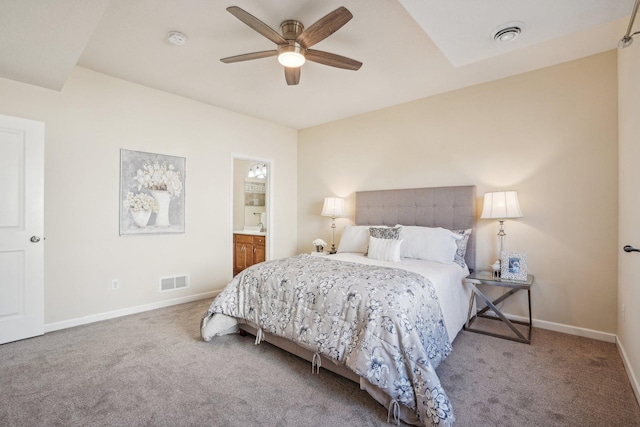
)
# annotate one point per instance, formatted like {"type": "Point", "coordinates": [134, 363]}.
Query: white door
{"type": "Point", "coordinates": [21, 228]}
{"type": "Point", "coordinates": [629, 211]}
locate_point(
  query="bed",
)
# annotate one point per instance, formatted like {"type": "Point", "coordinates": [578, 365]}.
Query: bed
{"type": "Point", "coordinates": [382, 312]}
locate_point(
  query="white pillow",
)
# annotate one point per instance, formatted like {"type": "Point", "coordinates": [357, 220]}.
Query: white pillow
{"type": "Point", "coordinates": [384, 249]}
{"type": "Point", "coordinates": [355, 238]}
{"type": "Point", "coordinates": [433, 244]}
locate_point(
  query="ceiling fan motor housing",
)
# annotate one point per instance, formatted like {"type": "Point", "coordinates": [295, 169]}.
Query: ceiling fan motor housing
{"type": "Point", "coordinates": [291, 29]}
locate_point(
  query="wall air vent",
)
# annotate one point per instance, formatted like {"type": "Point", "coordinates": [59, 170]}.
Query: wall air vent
{"type": "Point", "coordinates": [173, 283]}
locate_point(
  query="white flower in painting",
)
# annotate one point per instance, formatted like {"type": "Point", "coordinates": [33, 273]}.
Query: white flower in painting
{"type": "Point", "coordinates": [160, 177]}
{"type": "Point", "coordinates": [140, 202]}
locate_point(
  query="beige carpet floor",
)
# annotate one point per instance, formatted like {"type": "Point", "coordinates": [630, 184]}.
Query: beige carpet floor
{"type": "Point", "coordinates": [152, 369]}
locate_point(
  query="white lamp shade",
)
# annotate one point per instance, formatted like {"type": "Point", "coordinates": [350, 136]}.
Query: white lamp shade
{"type": "Point", "coordinates": [501, 205]}
{"type": "Point", "coordinates": [333, 207]}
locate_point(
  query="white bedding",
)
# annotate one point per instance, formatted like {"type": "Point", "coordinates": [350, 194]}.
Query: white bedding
{"type": "Point", "coordinates": [447, 278]}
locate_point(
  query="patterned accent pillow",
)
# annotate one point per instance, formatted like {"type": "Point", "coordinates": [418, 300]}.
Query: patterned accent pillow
{"type": "Point", "coordinates": [385, 233]}
{"type": "Point", "coordinates": [462, 246]}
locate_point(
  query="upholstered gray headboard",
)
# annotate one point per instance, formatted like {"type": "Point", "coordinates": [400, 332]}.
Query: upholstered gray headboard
{"type": "Point", "coordinates": [447, 207]}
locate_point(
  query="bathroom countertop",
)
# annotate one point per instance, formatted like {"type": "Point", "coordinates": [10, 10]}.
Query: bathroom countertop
{"type": "Point", "coordinates": [250, 232]}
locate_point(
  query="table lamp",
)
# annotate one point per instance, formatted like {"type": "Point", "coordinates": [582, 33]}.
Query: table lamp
{"type": "Point", "coordinates": [501, 205]}
{"type": "Point", "coordinates": [334, 208]}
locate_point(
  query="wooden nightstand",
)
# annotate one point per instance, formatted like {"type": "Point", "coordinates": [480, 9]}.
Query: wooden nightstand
{"type": "Point", "coordinates": [486, 278]}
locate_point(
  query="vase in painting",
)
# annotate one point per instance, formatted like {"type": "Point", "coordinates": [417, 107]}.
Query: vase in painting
{"type": "Point", "coordinates": [164, 199]}
{"type": "Point", "coordinates": [141, 217]}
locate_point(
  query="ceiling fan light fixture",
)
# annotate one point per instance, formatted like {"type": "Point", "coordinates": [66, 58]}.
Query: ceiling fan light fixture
{"type": "Point", "coordinates": [294, 44]}
{"type": "Point", "coordinates": [291, 56]}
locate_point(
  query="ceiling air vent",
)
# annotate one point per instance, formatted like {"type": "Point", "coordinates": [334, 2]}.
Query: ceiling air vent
{"type": "Point", "coordinates": [507, 32]}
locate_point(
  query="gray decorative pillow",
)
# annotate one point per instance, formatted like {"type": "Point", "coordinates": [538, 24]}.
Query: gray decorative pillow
{"type": "Point", "coordinates": [462, 246]}
{"type": "Point", "coordinates": [385, 233]}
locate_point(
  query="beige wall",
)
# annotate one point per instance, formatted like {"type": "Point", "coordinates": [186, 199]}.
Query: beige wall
{"type": "Point", "coordinates": [550, 134]}
{"type": "Point", "coordinates": [86, 126]}
{"type": "Point", "coordinates": [629, 274]}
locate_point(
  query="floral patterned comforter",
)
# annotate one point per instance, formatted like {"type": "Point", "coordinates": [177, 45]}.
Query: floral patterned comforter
{"type": "Point", "coordinates": [384, 324]}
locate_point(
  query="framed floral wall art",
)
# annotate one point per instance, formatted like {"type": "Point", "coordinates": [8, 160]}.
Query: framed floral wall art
{"type": "Point", "coordinates": [151, 193]}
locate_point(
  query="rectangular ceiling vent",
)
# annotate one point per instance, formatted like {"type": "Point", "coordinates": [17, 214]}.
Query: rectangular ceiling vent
{"type": "Point", "coordinates": [174, 283]}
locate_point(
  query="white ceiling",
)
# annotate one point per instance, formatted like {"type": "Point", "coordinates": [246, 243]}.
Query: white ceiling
{"type": "Point", "coordinates": [410, 49]}
{"type": "Point", "coordinates": [41, 41]}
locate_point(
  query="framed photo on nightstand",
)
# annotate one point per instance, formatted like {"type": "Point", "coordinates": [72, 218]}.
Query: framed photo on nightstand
{"type": "Point", "coordinates": [513, 266]}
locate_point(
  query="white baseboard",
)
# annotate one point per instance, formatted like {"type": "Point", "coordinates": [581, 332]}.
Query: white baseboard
{"type": "Point", "coordinates": [627, 366]}
{"type": "Point", "coordinates": [50, 327]}
{"type": "Point", "coordinates": [574, 330]}
{"type": "Point", "coordinates": [567, 329]}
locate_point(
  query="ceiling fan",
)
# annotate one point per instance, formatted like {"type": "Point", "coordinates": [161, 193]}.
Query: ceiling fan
{"type": "Point", "coordinates": [295, 42]}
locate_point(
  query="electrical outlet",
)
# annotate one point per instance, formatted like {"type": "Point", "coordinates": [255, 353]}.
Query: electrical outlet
{"type": "Point", "coordinates": [622, 312]}
{"type": "Point", "coordinates": [115, 284]}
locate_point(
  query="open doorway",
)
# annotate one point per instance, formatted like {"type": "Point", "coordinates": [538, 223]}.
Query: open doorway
{"type": "Point", "coordinates": [250, 211]}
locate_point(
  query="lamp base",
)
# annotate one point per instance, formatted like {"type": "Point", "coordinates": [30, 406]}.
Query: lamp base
{"type": "Point", "coordinates": [333, 249]}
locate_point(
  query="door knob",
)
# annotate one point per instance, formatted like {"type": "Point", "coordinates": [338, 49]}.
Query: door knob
{"type": "Point", "coordinates": [34, 239]}
{"type": "Point", "coordinates": [629, 248]}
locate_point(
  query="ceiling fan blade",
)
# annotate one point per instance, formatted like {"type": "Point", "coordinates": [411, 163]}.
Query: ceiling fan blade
{"type": "Point", "coordinates": [332, 60]}
{"type": "Point", "coordinates": [257, 25]}
{"type": "Point", "coordinates": [249, 56]}
{"type": "Point", "coordinates": [292, 75]}
{"type": "Point", "coordinates": [324, 27]}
